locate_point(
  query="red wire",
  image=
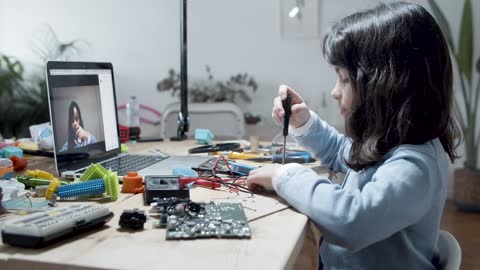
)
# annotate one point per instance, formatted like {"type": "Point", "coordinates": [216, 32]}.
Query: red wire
{"type": "Point", "coordinates": [224, 161]}
{"type": "Point", "coordinates": [223, 180]}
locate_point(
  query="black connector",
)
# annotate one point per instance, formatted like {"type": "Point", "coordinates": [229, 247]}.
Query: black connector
{"type": "Point", "coordinates": [133, 219]}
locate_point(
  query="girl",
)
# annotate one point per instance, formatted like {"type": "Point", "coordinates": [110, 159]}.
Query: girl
{"type": "Point", "coordinates": [394, 89]}
{"type": "Point", "coordinates": [77, 136]}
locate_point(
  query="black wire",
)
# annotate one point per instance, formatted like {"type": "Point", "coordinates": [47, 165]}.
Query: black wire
{"type": "Point", "coordinates": [240, 188]}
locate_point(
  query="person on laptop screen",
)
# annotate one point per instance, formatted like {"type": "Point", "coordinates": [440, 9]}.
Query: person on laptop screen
{"type": "Point", "coordinates": [77, 136]}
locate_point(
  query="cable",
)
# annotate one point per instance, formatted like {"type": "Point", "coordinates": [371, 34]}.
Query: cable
{"type": "Point", "coordinates": [234, 183]}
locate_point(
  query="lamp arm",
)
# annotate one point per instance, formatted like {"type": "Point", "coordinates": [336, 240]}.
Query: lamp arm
{"type": "Point", "coordinates": [183, 118]}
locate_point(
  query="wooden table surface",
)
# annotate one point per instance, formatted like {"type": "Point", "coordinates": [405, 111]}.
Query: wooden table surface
{"type": "Point", "coordinates": [278, 234]}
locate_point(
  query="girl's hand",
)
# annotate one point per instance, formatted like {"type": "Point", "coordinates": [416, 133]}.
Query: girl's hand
{"type": "Point", "coordinates": [262, 177]}
{"type": "Point", "coordinates": [82, 135]}
{"type": "Point", "coordinates": [300, 112]}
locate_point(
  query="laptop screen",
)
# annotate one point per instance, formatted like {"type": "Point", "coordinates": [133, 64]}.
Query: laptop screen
{"type": "Point", "coordinates": [83, 112]}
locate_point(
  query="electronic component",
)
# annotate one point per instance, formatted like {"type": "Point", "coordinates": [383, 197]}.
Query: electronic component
{"type": "Point", "coordinates": [240, 169]}
{"type": "Point", "coordinates": [221, 220]}
{"type": "Point", "coordinates": [40, 229]}
{"type": "Point", "coordinates": [133, 219]}
{"type": "Point", "coordinates": [158, 187]}
{"type": "Point", "coordinates": [185, 219]}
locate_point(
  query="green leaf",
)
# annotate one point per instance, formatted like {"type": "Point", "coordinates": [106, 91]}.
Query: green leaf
{"type": "Point", "coordinates": [442, 21]}
{"type": "Point", "coordinates": [465, 43]}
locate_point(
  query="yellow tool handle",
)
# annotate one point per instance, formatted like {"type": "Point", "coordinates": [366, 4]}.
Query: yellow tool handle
{"type": "Point", "coordinates": [39, 174]}
{"type": "Point", "coordinates": [236, 155]}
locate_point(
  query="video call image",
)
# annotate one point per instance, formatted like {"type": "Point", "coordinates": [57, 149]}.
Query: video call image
{"type": "Point", "coordinates": [77, 117]}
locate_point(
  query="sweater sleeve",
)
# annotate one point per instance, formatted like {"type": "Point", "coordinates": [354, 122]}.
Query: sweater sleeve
{"type": "Point", "coordinates": [324, 142]}
{"type": "Point", "coordinates": [398, 195]}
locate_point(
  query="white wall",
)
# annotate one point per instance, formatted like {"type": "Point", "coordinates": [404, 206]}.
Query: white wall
{"type": "Point", "coordinates": [141, 38]}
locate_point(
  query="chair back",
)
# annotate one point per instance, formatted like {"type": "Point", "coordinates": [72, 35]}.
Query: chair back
{"type": "Point", "coordinates": [450, 251]}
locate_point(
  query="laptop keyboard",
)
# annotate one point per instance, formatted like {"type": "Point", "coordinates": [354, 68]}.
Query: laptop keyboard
{"type": "Point", "coordinates": [124, 164]}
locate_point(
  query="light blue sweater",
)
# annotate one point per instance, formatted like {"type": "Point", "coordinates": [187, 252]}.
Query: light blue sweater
{"type": "Point", "coordinates": [385, 217]}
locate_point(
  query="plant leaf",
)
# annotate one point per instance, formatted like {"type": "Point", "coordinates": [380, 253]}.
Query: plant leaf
{"type": "Point", "coordinates": [442, 21]}
{"type": "Point", "coordinates": [465, 43]}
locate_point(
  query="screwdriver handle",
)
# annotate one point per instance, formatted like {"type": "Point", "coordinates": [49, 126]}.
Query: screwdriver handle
{"type": "Point", "coordinates": [287, 107]}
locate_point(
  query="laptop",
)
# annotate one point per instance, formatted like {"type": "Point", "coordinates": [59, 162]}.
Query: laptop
{"type": "Point", "coordinates": [81, 98]}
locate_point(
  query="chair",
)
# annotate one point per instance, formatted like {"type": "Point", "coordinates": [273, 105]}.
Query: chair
{"type": "Point", "coordinates": [224, 120]}
{"type": "Point", "coordinates": [450, 252]}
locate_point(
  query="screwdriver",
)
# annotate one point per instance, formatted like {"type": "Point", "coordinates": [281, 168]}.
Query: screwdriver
{"type": "Point", "coordinates": [287, 107]}
{"type": "Point", "coordinates": [290, 158]}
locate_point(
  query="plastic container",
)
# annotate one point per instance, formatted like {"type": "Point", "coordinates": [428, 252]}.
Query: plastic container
{"type": "Point", "coordinates": [132, 183]}
{"type": "Point", "coordinates": [132, 112]}
{"type": "Point", "coordinates": [124, 133]}
{"type": "Point", "coordinates": [6, 168]}
{"type": "Point", "coordinates": [9, 151]}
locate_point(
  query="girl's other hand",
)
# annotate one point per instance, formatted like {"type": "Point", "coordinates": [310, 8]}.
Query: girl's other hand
{"type": "Point", "coordinates": [300, 112]}
{"type": "Point", "coordinates": [262, 177]}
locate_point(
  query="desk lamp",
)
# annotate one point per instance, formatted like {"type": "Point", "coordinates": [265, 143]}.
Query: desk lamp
{"type": "Point", "coordinates": [183, 118]}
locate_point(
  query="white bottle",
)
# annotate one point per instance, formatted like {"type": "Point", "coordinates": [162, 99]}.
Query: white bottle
{"type": "Point", "coordinates": [133, 112]}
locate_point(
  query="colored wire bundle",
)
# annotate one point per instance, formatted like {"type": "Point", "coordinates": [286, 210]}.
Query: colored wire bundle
{"type": "Point", "coordinates": [235, 184]}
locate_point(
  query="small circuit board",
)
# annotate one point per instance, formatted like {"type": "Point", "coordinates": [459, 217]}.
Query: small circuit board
{"type": "Point", "coordinates": [189, 220]}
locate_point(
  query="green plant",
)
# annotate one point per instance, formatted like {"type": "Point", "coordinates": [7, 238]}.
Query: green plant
{"type": "Point", "coordinates": [238, 86]}
{"type": "Point", "coordinates": [21, 103]}
{"type": "Point", "coordinates": [25, 102]}
{"type": "Point", "coordinates": [463, 54]}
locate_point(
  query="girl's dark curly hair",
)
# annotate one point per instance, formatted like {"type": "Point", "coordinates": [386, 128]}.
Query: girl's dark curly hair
{"type": "Point", "coordinates": [400, 71]}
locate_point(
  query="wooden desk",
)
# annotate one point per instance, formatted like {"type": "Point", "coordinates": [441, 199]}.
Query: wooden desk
{"type": "Point", "coordinates": [278, 234]}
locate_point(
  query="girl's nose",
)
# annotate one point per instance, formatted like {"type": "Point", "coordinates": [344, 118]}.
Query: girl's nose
{"type": "Point", "coordinates": [336, 93]}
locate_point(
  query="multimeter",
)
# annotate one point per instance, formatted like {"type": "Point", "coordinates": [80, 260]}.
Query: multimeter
{"type": "Point", "coordinates": [158, 187]}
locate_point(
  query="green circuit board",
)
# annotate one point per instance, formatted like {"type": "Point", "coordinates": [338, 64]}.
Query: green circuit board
{"type": "Point", "coordinates": [214, 220]}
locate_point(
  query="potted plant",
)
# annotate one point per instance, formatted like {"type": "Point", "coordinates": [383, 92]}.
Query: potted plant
{"type": "Point", "coordinates": [213, 104]}
{"type": "Point", "coordinates": [466, 179]}
{"type": "Point", "coordinates": [25, 102]}
{"type": "Point", "coordinates": [22, 103]}
{"type": "Point", "coordinates": [239, 86]}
